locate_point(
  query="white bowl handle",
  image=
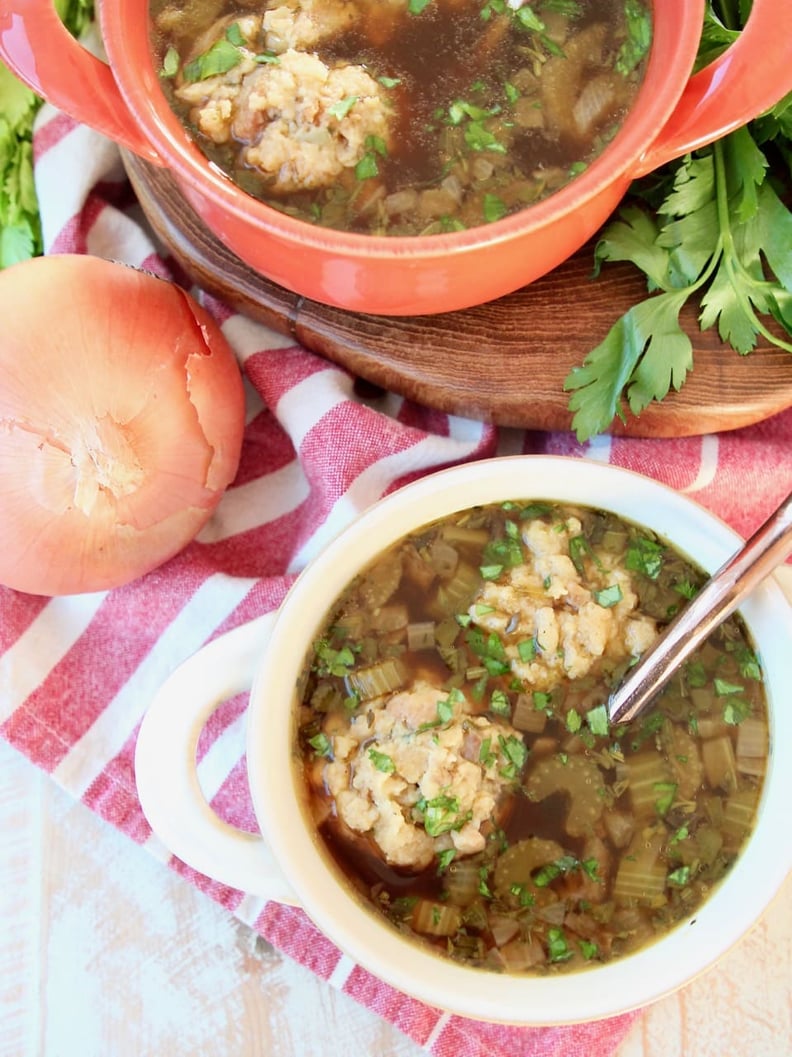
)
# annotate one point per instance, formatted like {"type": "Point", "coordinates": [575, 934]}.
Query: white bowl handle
{"type": "Point", "coordinates": [166, 766]}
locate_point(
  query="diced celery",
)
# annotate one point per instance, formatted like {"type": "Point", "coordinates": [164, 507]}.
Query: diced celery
{"type": "Point", "coordinates": [738, 817]}
{"type": "Point", "coordinates": [752, 746]}
{"type": "Point", "coordinates": [389, 618]}
{"type": "Point", "coordinates": [456, 595]}
{"type": "Point", "coordinates": [648, 774]}
{"type": "Point", "coordinates": [641, 877]}
{"type": "Point", "coordinates": [382, 678]}
{"type": "Point", "coordinates": [421, 635]}
{"type": "Point", "coordinates": [527, 716]}
{"type": "Point", "coordinates": [443, 558]}
{"type": "Point", "coordinates": [720, 767]}
{"type": "Point", "coordinates": [378, 585]}
{"type": "Point", "coordinates": [463, 535]}
{"type": "Point", "coordinates": [436, 919]}
{"type": "Point", "coordinates": [522, 954]}
{"type": "Point", "coordinates": [462, 882]}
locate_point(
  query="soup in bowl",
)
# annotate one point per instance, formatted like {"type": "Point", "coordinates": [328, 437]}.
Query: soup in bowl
{"type": "Point", "coordinates": [431, 763]}
{"type": "Point", "coordinates": [403, 118]}
{"type": "Point", "coordinates": [455, 260]}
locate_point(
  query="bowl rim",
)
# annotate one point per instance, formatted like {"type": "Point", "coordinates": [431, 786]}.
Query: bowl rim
{"type": "Point", "coordinates": [672, 54]}
{"type": "Point", "coordinates": [630, 982]}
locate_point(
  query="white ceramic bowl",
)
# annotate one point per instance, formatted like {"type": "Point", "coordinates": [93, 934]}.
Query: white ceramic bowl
{"type": "Point", "coordinates": [289, 863]}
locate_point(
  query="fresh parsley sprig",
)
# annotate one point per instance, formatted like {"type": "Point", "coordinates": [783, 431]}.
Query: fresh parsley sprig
{"type": "Point", "coordinates": [719, 230]}
{"type": "Point", "coordinates": [20, 223]}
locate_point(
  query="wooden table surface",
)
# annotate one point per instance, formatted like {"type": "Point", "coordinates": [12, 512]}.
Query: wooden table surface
{"type": "Point", "coordinates": [105, 952]}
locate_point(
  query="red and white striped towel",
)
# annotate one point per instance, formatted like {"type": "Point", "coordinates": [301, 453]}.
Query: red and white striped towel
{"type": "Point", "coordinates": [76, 673]}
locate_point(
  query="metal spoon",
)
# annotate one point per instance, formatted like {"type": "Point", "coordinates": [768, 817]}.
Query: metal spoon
{"type": "Point", "coordinates": [718, 598]}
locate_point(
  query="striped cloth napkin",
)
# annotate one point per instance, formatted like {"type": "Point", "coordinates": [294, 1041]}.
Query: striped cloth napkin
{"type": "Point", "coordinates": [77, 672]}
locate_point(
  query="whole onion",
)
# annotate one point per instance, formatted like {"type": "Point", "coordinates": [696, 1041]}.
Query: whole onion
{"type": "Point", "coordinates": [121, 422]}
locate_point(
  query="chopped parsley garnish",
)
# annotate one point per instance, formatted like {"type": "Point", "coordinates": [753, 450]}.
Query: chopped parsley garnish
{"type": "Point", "coordinates": [515, 752]}
{"type": "Point", "coordinates": [723, 687]}
{"type": "Point", "coordinates": [223, 56]}
{"type": "Point", "coordinates": [695, 674]}
{"type": "Point", "coordinates": [331, 661]}
{"type": "Point", "coordinates": [644, 556]}
{"type": "Point", "coordinates": [573, 721]}
{"type": "Point", "coordinates": [548, 873]}
{"type": "Point", "coordinates": [441, 814]}
{"type": "Point", "coordinates": [523, 896]}
{"type": "Point", "coordinates": [747, 661]}
{"type": "Point", "coordinates": [170, 63]}
{"type": "Point", "coordinates": [382, 761]}
{"type": "Point", "coordinates": [639, 37]}
{"type": "Point", "coordinates": [499, 703]}
{"type": "Point", "coordinates": [666, 791]}
{"type": "Point", "coordinates": [526, 650]}
{"type": "Point", "coordinates": [321, 745]}
{"type": "Point", "coordinates": [494, 208]}
{"type": "Point", "coordinates": [735, 710]}
{"type": "Point", "coordinates": [597, 719]}
{"type": "Point", "coordinates": [490, 572]}
{"type": "Point", "coordinates": [340, 109]}
{"type": "Point", "coordinates": [557, 947]}
{"type": "Point", "coordinates": [681, 834]}
{"type": "Point", "coordinates": [679, 877]}
{"type": "Point", "coordinates": [368, 166]}
{"type": "Point", "coordinates": [486, 756]}
{"type": "Point", "coordinates": [542, 701]}
{"type": "Point", "coordinates": [445, 858]}
{"type": "Point", "coordinates": [608, 597]}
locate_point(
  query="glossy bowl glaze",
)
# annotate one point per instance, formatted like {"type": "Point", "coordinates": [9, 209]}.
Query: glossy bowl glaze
{"type": "Point", "coordinates": [673, 114]}
{"type": "Point", "coordinates": [290, 864]}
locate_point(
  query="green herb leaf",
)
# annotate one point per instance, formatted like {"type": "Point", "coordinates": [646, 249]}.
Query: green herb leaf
{"type": "Point", "coordinates": [666, 791]}
{"type": "Point", "coordinates": [340, 109]}
{"type": "Point", "coordinates": [499, 703]}
{"type": "Point", "coordinates": [679, 877]}
{"type": "Point", "coordinates": [382, 761]}
{"type": "Point", "coordinates": [644, 556]}
{"type": "Point", "coordinates": [170, 63]}
{"type": "Point", "coordinates": [558, 949]}
{"type": "Point", "coordinates": [608, 597]}
{"type": "Point", "coordinates": [220, 58]}
{"type": "Point", "coordinates": [597, 720]}
{"type": "Point", "coordinates": [366, 167]}
{"type": "Point", "coordinates": [494, 208]}
{"type": "Point", "coordinates": [639, 37]}
{"type": "Point", "coordinates": [321, 745]}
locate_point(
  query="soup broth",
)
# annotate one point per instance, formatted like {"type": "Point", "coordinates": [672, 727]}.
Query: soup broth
{"type": "Point", "coordinates": [458, 758]}
{"type": "Point", "coordinates": [401, 117]}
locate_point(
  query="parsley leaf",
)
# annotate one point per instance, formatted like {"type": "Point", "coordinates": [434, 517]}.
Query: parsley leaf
{"type": "Point", "coordinates": [20, 223]}
{"type": "Point", "coordinates": [721, 234]}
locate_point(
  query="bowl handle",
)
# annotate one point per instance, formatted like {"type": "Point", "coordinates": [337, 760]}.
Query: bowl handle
{"type": "Point", "coordinates": [166, 768]}
{"type": "Point", "coordinates": [746, 80]}
{"type": "Point", "coordinates": [38, 48]}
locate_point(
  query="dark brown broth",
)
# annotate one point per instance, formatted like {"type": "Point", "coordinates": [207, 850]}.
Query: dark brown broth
{"type": "Point", "coordinates": [594, 908]}
{"type": "Point", "coordinates": [469, 51]}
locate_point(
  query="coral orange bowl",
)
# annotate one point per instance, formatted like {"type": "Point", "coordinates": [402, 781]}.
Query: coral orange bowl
{"type": "Point", "coordinates": [675, 112]}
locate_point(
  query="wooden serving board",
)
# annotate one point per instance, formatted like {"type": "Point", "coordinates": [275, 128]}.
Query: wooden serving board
{"type": "Point", "coordinates": [503, 362]}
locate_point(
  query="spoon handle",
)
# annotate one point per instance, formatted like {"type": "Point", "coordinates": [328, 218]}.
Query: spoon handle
{"type": "Point", "coordinates": [720, 596]}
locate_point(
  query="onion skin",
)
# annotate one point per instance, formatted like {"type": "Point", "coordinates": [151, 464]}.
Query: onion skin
{"type": "Point", "coordinates": [121, 423]}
